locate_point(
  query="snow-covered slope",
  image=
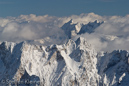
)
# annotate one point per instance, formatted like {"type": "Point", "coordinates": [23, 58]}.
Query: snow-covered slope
{"type": "Point", "coordinates": [74, 63]}
{"type": "Point", "coordinates": [114, 68]}
{"type": "Point", "coordinates": [71, 64]}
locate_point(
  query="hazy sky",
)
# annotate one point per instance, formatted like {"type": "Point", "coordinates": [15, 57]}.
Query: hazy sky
{"type": "Point", "coordinates": [63, 7]}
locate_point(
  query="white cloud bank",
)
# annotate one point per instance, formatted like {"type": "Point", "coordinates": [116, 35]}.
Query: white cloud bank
{"type": "Point", "coordinates": [112, 34]}
{"type": "Point", "coordinates": [29, 27]}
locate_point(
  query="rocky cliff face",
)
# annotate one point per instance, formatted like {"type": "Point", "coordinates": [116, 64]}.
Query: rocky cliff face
{"type": "Point", "coordinates": [72, 29]}
{"type": "Point", "coordinates": [114, 68]}
{"type": "Point", "coordinates": [71, 64]}
{"type": "Point", "coordinates": [74, 63]}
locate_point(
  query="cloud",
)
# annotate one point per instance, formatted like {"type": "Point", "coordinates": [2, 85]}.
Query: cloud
{"type": "Point", "coordinates": [30, 27]}
{"type": "Point", "coordinates": [41, 19]}
{"type": "Point", "coordinates": [95, 40]}
{"type": "Point", "coordinates": [84, 18]}
{"type": "Point", "coordinates": [111, 35]}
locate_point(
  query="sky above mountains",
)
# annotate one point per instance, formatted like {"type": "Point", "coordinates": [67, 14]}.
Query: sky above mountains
{"type": "Point", "coordinates": [63, 7]}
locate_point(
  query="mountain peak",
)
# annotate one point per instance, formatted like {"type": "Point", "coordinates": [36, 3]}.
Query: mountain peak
{"type": "Point", "coordinates": [72, 29]}
{"type": "Point", "coordinates": [80, 40]}
{"type": "Point", "coordinates": [70, 21]}
{"type": "Point", "coordinates": [90, 27]}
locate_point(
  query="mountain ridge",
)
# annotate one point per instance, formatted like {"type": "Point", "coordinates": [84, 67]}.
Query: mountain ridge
{"type": "Point", "coordinates": [74, 63]}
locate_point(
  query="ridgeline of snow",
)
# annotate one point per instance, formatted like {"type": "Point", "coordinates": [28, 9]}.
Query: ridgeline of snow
{"type": "Point", "coordinates": [74, 63]}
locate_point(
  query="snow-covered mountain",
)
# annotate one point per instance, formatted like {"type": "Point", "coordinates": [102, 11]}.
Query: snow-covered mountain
{"type": "Point", "coordinates": [90, 27]}
{"type": "Point", "coordinates": [114, 68]}
{"type": "Point", "coordinates": [74, 63]}
{"type": "Point", "coordinates": [72, 29]}
{"type": "Point", "coordinates": [51, 61]}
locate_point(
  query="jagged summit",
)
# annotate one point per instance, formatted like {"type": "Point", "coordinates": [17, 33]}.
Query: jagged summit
{"type": "Point", "coordinates": [80, 40]}
{"type": "Point", "coordinates": [69, 22]}
{"type": "Point", "coordinates": [82, 43]}
{"type": "Point", "coordinates": [72, 29]}
{"type": "Point", "coordinates": [90, 27]}
{"type": "Point", "coordinates": [52, 65]}
{"type": "Point", "coordinates": [73, 63]}
{"type": "Point", "coordinates": [114, 67]}
{"type": "Point", "coordinates": [69, 28]}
